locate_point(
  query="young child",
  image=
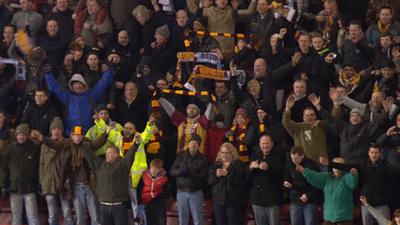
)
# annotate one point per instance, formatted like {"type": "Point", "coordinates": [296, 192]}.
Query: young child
{"type": "Point", "coordinates": [154, 179]}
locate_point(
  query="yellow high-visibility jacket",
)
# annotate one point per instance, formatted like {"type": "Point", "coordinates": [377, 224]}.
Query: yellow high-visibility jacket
{"type": "Point", "coordinates": [114, 137]}
{"type": "Point", "coordinates": [140, 163]}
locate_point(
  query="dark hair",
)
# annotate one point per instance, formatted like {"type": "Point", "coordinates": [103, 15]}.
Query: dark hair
{"type": "Point", "coordinates": [355, 22]}
{"type": "Point", "coordinates": [374, 145]}
{"type": "Point", "coordinates": [10, 25]}
{"type": "Point", "coordinates": [309, 108]}
{"type": "Point", "coordinates": [386, 7]}
{"type": "Point", "coordinates": [297, 150]}
{"type": "Point", "coordinates": [386, 34]}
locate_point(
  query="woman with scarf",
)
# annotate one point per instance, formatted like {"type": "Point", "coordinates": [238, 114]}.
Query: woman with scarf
{"type": "Point", "coordinates": [237, 133]}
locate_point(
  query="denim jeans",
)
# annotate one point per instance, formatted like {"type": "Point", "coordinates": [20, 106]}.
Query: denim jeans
{"type": "Point", "coordinates": [17, 201]}
{"type": "Point", "coordinates": [266, 215]}
{"type": "Point", "coordinates": [113, 215]}
{"type": "Point", "coordinates": [84, 200]}
{"type": "Point", "coordinates": [303, 214]}
{"type": "Point", "coordinates": [192, 201]}
{"type": "Point", "coordinates": [228, 215]}
{"type": "Point", "coordinates": [54, 211]}
{"type": "Point", "coordinates": [367, 217]}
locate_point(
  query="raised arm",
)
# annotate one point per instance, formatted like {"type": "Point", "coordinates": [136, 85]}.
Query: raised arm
{"type": "Point", "coordinates": [55, 87]}
{"type": "Point", "coordinates": [101, 86]}
{"type": "Point", "coordinates": [93, 160]}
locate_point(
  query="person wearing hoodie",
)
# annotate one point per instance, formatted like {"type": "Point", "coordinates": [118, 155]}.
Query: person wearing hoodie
{"type": "Point", "coordinates": [51, 175]}
{"type": "Point", "coordinates": [21, 176]}
{"type": "Point", "coordinates": [79, 100]}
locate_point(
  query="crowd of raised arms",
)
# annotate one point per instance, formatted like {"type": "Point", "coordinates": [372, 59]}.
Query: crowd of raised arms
{"type": "Point", "coordinates": [109, 109]}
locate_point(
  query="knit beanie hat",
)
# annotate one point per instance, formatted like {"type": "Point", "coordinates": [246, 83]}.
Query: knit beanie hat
{"type": "Point", "coordinates": [23, 128]}
{"type": "Point", "coordinates": [163, 31]}
{"type": "Point", "coordinates": [241, 111]}
{"type": "Point", "coordinates": [56, 123]}
{"type": "Point", "coordinates": [356, 110]}
{"type": "Point", "coordinates": [77, 77]}
{"type": "Point", "coordinates": [196, 138]}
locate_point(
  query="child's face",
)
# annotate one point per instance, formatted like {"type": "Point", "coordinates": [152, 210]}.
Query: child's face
{"type": "Point", "coordinates": [154, 171]}
{"type": "Point", "coordinates": [318, 43]}
{"type": "Point", "coordinates": [241, 44]}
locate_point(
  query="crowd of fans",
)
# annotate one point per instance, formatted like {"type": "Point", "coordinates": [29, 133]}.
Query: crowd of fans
{"type": "Point", "coordinates": [111, 107]}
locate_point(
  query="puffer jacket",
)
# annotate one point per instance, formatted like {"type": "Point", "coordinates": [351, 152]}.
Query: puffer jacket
{"type": "Point", "coordinates": [153, 187]}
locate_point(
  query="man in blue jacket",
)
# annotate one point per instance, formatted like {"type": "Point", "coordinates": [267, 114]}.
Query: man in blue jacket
{"type": "Point", "coordinates": [79, 101]}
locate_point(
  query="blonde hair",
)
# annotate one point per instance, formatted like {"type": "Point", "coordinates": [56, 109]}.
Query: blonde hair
{"type": "Point", "coordinates": [140, 9]}
{"type": "Point", "coordinates": [232, 150]}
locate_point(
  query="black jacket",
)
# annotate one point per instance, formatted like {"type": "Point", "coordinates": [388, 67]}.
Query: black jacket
{"type": "Point", "coordinates": [191, 171]}
{"type": "Point", "coordinates": [21, 167]}
{"type": "Point", "coordinates": [230, 189]}
{"type": "Point", "coordinates": [374, 179]}
{"type": "Point", "coordinates": [266, 186]}
{"type": "Point", "coordinates": [299, 183]}
{"type": "Point", "coordinates": [39, 118]}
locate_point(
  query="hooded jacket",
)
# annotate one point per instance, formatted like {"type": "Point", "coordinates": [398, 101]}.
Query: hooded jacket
{"type": "Point", "coordinates": [79, 106]}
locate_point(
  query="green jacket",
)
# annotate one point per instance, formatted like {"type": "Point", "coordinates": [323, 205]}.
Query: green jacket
{"type": "Point", "coordinates": [338, 193]}
{"type": "Point", "coordinates": [52, 167]}
{"type": "Point", "coordinates": [21, 167]}
{"type": "Point", "coordinates": [112, 182]}
{"type": "Point", "coordinates": [114, 137]}
{"type": "Point", "coordinates": [311, 138]}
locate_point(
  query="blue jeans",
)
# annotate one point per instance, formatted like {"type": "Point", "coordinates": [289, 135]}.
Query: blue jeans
{"type": "Point", "coordinates": [192, 201]}
{"type": "Point", "coordinates": [84, 200]}
{"type": "Point", "coordinates": [54, 212]}
{"type": "Point", "coordinates": [266, 215]}
{"type": "Point", "coordinates": [17, 201]}
{"type": "Point", "coordinates": [303, 214]}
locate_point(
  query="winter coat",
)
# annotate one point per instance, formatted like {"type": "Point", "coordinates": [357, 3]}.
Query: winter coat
{"type": "Point", "coordinates": [354, 139]}
{"type": "Point", "coordinates": [52, 168]}
{"type": "Point", "coordinates": [153, 187]}
{"type": "Point", "coordinates": [79, 106]}
{"type": "Point", "coordinates": [190, 171]}
{"type": "Point", "coordinates": [228, 190]}
{"type": "Point", "coordinates": [338, 193]}
{"type": "Point", "coordinates": [299, 183]}
{"type": "Point", "coordinates": [21, 167]}
{"type": "Point", "coordinates": [266, 186]}
{"type": "Point", "coordinates": [39, 117]}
